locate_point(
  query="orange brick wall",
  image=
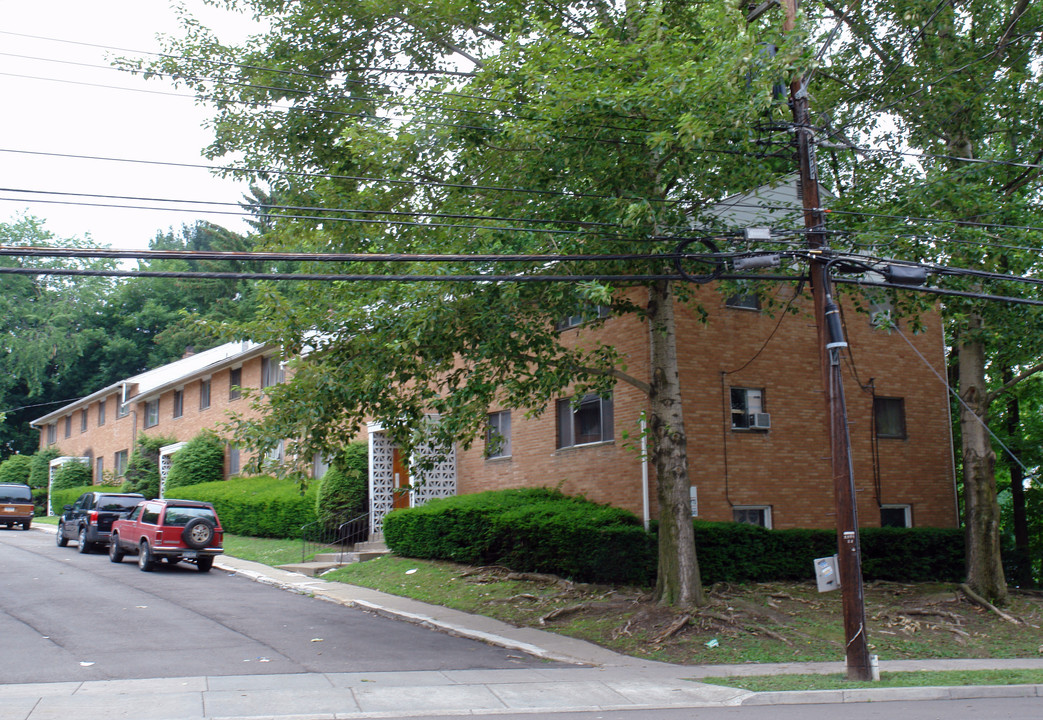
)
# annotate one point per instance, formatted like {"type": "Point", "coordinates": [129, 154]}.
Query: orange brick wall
{"type": "Point", "coordinates": [787, 467]}
{"type": "Point", "coordinates": [121, 433]}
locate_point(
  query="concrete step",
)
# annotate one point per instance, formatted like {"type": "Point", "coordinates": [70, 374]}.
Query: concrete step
{"type": "Point", "coordinates": [329, 561]}
{"type": "Point", "coordinates": [311, 569]}
{"type": "Point", "coordinates": [371, 545]}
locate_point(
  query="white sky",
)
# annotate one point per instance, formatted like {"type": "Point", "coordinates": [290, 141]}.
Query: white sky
{"type": "Point", "coordinates": [87, 113]}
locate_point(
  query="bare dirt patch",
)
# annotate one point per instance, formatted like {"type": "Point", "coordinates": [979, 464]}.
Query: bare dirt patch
{"type": "Point", "coordinates": [765, 622]}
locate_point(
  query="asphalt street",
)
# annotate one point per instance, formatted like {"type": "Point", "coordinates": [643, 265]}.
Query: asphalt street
{"type": "Point", "coordinates": [252, 642]}
{"type": "Point", "coordinates": [77, 617]}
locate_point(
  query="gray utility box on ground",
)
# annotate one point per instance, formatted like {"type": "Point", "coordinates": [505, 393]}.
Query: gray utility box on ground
{"type": "Point", "coordinates": [826, 573]}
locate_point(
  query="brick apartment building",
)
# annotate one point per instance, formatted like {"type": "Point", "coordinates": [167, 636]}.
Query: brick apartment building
{"type": "Point", "coordinates": [754, 413]}
{"type": "Point", "coordinates": [177, 400]}
{"type": "Point", "coordinates": [754, 410]}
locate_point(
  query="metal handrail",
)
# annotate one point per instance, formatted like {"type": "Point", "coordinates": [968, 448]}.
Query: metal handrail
{"type": "Point", "coordinates": [317, 535]}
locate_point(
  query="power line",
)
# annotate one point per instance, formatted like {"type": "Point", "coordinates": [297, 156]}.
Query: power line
{"type": "Point", "coordinates": [262, 172]}
{"type": "Point", "coordinates": [255, 255]}
{"type": "Point", "coordinates": [274, 211]}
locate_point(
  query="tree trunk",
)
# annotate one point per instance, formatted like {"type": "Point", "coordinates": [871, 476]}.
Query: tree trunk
{"type": "Point", "coordinates": [1023, 560]}
{"type": "Point", "coordinates": [984, 564]}
{"type": "Point", "coordinates": [678, 581]}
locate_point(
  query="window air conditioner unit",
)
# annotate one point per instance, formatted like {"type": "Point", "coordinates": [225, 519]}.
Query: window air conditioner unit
{"type": "Point", "coordinates": [760, 421]}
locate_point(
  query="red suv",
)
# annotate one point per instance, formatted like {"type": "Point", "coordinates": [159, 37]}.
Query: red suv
{"type": "Point", "coordinates": [173, 530]}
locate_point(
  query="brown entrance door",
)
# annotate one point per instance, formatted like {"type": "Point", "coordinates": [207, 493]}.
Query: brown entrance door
{"type": "Point", "coordinates": [400, 497]}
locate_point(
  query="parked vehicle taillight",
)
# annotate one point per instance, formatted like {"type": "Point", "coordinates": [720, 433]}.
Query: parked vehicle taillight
{"type": "Point", "coordinates": [93, 517]}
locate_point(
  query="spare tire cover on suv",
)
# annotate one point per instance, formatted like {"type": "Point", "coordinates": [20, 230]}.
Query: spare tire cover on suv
{"type": "Point", "coordinates": [198, 533]}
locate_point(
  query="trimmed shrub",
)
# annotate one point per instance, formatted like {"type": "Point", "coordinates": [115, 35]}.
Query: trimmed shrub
{"type": "Point", "coordinates": [260, 506]}
{"type": "Point", "coordinates": [537, 530]}
{"type": "Point", "coordinates": [735, 552]}
{"type": "Point", "coordinates": [530, 530]}
{"type": "Point", "coordinates": [65, 496]}
{"type": "Point", "coordinates": [16, 469]}
{"type": "Point", "coordinates": [343, 491]}
{"type": "Point", "coordinates": [71, 474]}
{"type": "Point", "coordinates": [142, 475]}
{"type": "Point", "coordinates": [40, 467]}
{"type": "Point", "coordinates": [201, 460]}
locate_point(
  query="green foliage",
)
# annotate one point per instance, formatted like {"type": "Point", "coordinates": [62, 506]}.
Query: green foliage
{"type": "Point", "coordinates": [344, 489]}
{"type": "Point", "coordinates": [16, 469]}
{"type": "Point", "coordinates": [40, 467]}
{"type": "Point", "coordinates": [533, 530]}
{"type": "Point", "coordinates": [540, 530]}
{"type": "Point", "coordinates": [259, 506]}
{"type": "Point", "coordinates": [71, 474]}
{"type": "Point", "coordinates": [67, 496]}
{"type": "Point", "coordinates": [202, 459]}
{"type": "Point", "coordinates": [142, 475]}
{"type": "Point", "coordinates": [574, 71]}
{"type": "Point", "coordinates": [736, 552]}
{"type": "Point", "coordinates": [964, 96]}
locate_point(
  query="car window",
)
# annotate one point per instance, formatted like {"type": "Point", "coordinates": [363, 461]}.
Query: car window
{"type": "Point", "coordinates": [179, 516]}
{"type": "Point", "coordinates": [150, 514]}
{"type": "Point", "coordinates": [81, 502]}
{"type": "Point", "coordinates": [117, 504]}
{"type": "Point", "coordinates": [135, 513]}
{"type": "Point", "coordinates": [15, 494]}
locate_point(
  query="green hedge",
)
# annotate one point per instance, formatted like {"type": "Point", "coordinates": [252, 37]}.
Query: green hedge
{"type": "Point", "coordinates": [735, 552]}
{"type": "Point", "coordinates": [15, 470]}
{"type": "Point", "coordinates": [67, 496]}
{"type": "Point", "coordinates": [530, 530]}
{"type": "Point", "coordinates": [259, 506]}
{"type": "Point", "coordinates": [539, 530]}
{"type": "Point", "coordinates": [201, 460]}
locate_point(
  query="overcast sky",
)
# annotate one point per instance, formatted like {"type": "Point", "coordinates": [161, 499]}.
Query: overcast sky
{"type": "Point", "coordinates": [55, 105]}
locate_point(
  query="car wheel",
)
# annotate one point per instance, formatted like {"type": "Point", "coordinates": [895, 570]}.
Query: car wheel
{"type": "Point", "coordinates": [115, 551]}
{"type": "Point", "coordinates": [145, 560]}
{"type": "Point", "coordinates": [205, 563]}
{"type": "Point", "coordinates": [85, 547]}
{"type": "Point", "coordinates": [60, 538]}
{"type": "Point", "coordinates": [198, 533]}
{"type": "Point", "coordinates": [27, 524]}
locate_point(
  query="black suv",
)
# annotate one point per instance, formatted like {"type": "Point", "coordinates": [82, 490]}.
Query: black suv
{"type": "Point", "coordinates": [89, 519]}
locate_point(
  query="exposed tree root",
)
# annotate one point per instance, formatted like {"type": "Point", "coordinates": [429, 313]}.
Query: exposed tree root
{"type": "Point", "coordinates": [982, 602]}
{"type": "Point", "coordinates": [672, 629]}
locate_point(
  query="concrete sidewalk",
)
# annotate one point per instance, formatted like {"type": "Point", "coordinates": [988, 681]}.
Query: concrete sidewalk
{"type": "Point", "coordinates": [600, 680]}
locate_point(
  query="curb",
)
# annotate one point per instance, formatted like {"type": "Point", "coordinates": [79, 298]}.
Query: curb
{"type": "Point", "coordinates": [819, 697]}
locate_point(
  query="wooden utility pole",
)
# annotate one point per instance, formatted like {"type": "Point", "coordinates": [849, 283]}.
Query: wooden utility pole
{"type": "Point", "coordinates": [831, 340]}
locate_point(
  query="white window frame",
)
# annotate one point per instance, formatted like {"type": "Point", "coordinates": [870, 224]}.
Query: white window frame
{"type": "Point", "coordinates": [744, 301]}
{"type": "Point", "coordinates": [152, 413]}
{"type": "Point", "coordinates": [178, 403]}
{"type": "Point", "coordinates": [271, 371]}
{"type": "Point", "coordinates": [120, 460]}
{"type": "Point", "coordinates": [764, 510]}
{"type": "Point", "coordinates": [235, 388]}
{"type": "Point", "coordinates": [594, 312]}
{"type": "Point", "coordinates": [204, 394]}
{"type": "Point", "coordinates": [568, 415]}
{"type": "Point", "coordinates": [752, 403]}
{"type": "Point", "coordinates": [498, 435]}
{"type": "Point", "coordinates": [234, 463]}
{"type": "Point", "coordinates": [879, 403]}
{"type": "Point", "coordinates": [905, 508]}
